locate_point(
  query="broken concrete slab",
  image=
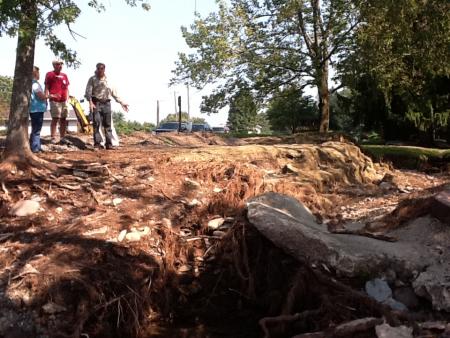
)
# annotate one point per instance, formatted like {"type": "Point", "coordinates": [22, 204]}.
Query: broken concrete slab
{"type": "Point", "coordinates": [292, 227]}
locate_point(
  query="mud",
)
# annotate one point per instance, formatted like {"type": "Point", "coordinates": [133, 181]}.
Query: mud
{"type": "Point", "coordinates": [64, 272]}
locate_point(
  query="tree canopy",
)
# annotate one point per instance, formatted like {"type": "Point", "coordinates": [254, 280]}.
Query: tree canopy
{"type": "Point", "coordinates": [267, 45]}
{"type": "Point", "coordinates": [29, 20]}
{"type": "Point", "coordinates": [184, 117]}
{"type": "Point", "coordinates": [290, 111]}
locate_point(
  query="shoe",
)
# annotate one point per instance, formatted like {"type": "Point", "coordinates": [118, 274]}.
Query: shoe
{"type": "Point", "coordinates": [110, 147]}
{"type": "Point", "coordinates": [53, 141]}
{"type": "Point", "coordinates": [99, 146]}
{"type": "Point", "coordinates": [64, 141]}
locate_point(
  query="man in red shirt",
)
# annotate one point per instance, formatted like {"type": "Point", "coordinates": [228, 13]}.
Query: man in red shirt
{"type": "Point", "coordinates": [57, 90]}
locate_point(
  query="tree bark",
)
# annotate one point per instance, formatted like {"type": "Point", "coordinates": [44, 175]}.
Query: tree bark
{"type": "Point", "coordinates": [17, 143]}
{"type": "Point", "coordinates": [324, 99]}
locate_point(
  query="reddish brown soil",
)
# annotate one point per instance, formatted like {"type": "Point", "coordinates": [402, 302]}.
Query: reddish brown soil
{"type": "Point", "coordinates": [64, 273]}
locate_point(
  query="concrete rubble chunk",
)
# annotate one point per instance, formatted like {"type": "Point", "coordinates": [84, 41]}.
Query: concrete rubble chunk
{"type": "Point", "coordinates": [214, 224]}
{"type": "Point", "coordinates": [292, 227]}
{"type": "Point", "coordinates": [378, 289]}
{"type": "Point", "coordinates": [52, 308]}
{"type": "Point", "coordinates": [25, 208]}
{"type": "Point", "coordinates": [133, 236]}
{"type": "Point", "coordinates": [122, 235]}
{"type": "Point", "coordinates": [387, 331]}
{"type": "Point", "coordinates": [395, 304]}
{"type": "Point", "coordinates": [434, 285]}
{"type": "Point", "coordinates": [191, 183]}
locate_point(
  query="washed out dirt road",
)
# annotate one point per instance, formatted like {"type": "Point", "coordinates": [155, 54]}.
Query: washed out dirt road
{"type": "Point", "coordinates": [130, 242]}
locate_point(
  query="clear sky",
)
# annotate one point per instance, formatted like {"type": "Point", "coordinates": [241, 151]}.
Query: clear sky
{"type": "Point", "coordinates": [139, 49]}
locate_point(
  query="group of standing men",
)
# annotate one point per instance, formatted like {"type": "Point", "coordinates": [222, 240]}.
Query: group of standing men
{"type": "Point", "coordinates": [98, 93]}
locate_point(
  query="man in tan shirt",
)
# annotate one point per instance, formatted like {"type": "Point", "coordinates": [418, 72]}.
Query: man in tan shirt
{"type": "Point", "coordinates": [99, 93]}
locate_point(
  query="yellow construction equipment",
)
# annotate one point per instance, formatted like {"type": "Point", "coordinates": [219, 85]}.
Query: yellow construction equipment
{"type": "Point", "coordinates": [83, 120]}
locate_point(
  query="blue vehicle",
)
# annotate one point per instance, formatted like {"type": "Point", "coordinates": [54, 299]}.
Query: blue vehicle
{"type": "Point", "coordinates": [169, 127]}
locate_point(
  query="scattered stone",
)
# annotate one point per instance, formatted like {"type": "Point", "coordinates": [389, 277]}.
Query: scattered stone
{"type": "Point", "coordinates": [191, 184]}
{"type": "Point", "coordinates": [378, 289]}
{"type": "Point", "coordinates": [184, 268]}
{"type": "Point", "coordinates": [98, 231]}
{"type": "Point", "coordinates": [214, 224]}
{"type": "Point", "coordinates": [25, 208]}
{"type": "Point", "coordinates": [122, 235]}
{"type": "Point", "coordinates": [217, 190]}
{"type": "Point", "coordinates": [133, 236]}
{"type": "Point", "coordinates": [145, 231]}
{"type": "Point", "coordinates": [52, 308]}
{"type": "Point", "coordinates": [59, 210]}
{"type": "Point", "coordinates": [395, 305]}
{"type": "Point", "coordinates": [219, 233]}
{"type": "Point", "coordinates": [150, 179]}
{"type": "Point", "coordinates": [117, 201]}
{"type": "Point", "coordinates": [194, 203]}
{"type": "Point", "coordinates": [387, 331]}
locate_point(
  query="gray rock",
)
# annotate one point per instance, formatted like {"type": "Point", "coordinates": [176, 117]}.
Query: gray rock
{"type": "Point", "coordinates": [378, 289]}
{"type": "Point", "coordinates": [387, 331]}
{"type": "Point", "coordinates": [407, 296]}
{"type": "Point", "coordinates": [214, 224]}
{"type": "Point", "coordinates": [292, 227]}
{"type": "Point", "coordinates": [395, 305]}
{"type": "Point", "coordinates": [25, 208]}
{"type": "Point", "coordinates": [434, 284]}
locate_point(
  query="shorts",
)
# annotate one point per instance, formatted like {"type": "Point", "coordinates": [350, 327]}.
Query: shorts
{"type": "Point", "coordinates": [58, 109]}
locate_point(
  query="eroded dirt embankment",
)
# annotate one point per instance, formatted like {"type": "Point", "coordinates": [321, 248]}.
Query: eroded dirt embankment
{"type": "Point", "coordinates": [126, 239]}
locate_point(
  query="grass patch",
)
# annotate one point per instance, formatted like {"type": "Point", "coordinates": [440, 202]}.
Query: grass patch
{"type": "Point", "coordinates": [408, 156]}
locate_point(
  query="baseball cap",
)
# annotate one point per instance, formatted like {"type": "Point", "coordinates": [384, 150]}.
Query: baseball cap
{"type": "Point", "coordinates": [57, 61]}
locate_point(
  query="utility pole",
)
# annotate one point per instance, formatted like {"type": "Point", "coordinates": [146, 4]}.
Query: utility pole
{"type": "Point", "coordinates": [179, 113]}
{"type": "Point", "coordinates": [157, 112]}
{"type": "Point", "coordinates": [188, 103]}
{"type": "Point", "coordinates": [175, 100]}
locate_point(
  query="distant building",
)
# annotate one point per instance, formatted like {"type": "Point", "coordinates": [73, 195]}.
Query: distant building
{"type": "Point", "coordinates": [72, 123]}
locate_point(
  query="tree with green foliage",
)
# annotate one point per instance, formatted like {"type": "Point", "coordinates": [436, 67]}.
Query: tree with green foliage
{"type": "Point", "coordinates": [124, 126]}
{"type": "Point", "coordinates": [29, 20]}
{"type": "Point", "coordinates": [290, 111]}
{"type": "Point", "coordinates": [6, 84]}
{"type": "Point", "coordinates": [403, 51]}
{"type": "Point", "coordinates": [184, 118]}
{"type": "Point", "coordinates": [243, 112]}
{"type": "Point", "coordinates": [267, 45]}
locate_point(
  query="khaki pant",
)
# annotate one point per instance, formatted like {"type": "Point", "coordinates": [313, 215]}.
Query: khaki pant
{"type": "Point", "coordinates": [58, 109]}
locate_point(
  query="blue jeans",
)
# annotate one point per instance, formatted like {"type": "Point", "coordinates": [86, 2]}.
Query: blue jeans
{"type": "Point", "coordinates": [36, 125]}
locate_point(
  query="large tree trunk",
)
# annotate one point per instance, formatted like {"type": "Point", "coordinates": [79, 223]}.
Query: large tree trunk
{"type": "Point", "coordinates": [324, 99]}
{"type": "Point", "coordinates": [17, 143]}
